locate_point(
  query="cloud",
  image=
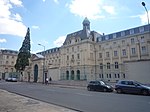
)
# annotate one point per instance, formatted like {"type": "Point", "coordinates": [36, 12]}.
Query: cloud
{"type": "Point", "coordinates": [83, 8]}
{"type": "Point", "coordinates": [35, 27]}
{"type": "Point", "coordinates": [59, 42]}
{"type": "Point", "coordinates": [16, 2]}
{"type": "Point", "coordinates": [109, 9]}
{"type": "Point", "coordinates": [56, 1]}
{"type": "Point", "coordinates": [44, 0]}
{"type": "Point", "coordinates": [92, 9]}
{"type": "Point", "coordinates": [10, 21]}
{"type": "Point", "coordinates": [2, 40]}
{"type": "Point", "coordinates": [143, 17]}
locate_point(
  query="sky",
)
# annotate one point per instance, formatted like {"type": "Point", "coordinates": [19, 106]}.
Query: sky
{"type": "Point", "coordinates": [51, 20]}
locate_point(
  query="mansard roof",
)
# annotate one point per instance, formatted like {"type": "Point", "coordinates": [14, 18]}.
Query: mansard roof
{"type": "Point", "coordinates": [82, 34]}
{"type": "Point", "coordinates": [125, 33]}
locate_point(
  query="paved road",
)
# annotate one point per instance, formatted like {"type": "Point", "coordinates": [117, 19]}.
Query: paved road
{"type": "Point", "coordinates": [81, 99]}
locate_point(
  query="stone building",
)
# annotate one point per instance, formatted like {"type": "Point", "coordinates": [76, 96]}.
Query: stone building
{"type": "Point", "coordinates": [88, 55]}
{"type": "Point", "coordinates": [7, 61]}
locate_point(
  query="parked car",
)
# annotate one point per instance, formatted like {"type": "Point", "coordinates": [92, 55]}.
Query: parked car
{"type": "Point", "coordinates": [99, 86]}
{"type": "Point", "coordinates": [131, 86]}
{"type": "Point", "coordinates": [11, 79]}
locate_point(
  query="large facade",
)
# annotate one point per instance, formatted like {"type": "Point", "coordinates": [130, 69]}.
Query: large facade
{"type": "Point", "coordinates": [88, 55]}
{"type": "Point", "coordinates": [7, 62]}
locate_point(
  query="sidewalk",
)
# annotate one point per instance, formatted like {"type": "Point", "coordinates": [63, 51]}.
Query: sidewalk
{"type": "Point", "coordinates": [10, 102]}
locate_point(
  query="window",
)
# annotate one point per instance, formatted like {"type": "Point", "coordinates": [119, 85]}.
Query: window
{"type": "Point", "coordinates": [72, 49]}
{"type": "Point", "coordinates": [100, 75]}
{"type": "Point", "coordinates": [11, 69]}
{"type": "Point", "coordinates": [68, 50]}
{"type": "Point", "coordinates": [7, 57]}
{"type": "Point", "coordinates": [123, 42]}
{"type": "Point", "coordinates": [6, 62]}
{"type": "Point", "coordinates": [124, 52]}
{"type": "Point", "coordinates": [100, 55]}
{"type": "Point", "coordinates": [109, 75]}
{"type": "Point", "coordinates": [118, 75]}
{"type": "Point", "coordinates": [133, 51]}
{"type": "Point", "coordinates": [132, 41]}
{"type": "Point", "coordinates": [116, 65]}
{"type": "Point", "coordinates": [108, 65]}
{"type": "Point", "coordinates": [73, 57]}
{"type": "Point", "coordinates": [91, 55]}
{"type": "Point", "coordinates": [124, 76]}
{"type": "Point", "coordinates": [101, 66]}
{"type": "Point", "coordinates": [142, 39]}
{"type": "Point", "coordinates": [141, 29]}
{"type": "Point", "coordinates": [78, 56]}
{"type": "Point", "coordinates": [78, 48]}
{"type": "Point", "coordinates": [99, 47]}
{"type": "Point", "coordinates": [67, 57]}
{"type": "Point", "coordinates": [132, 31]}
{"type": "Point", "coordinates": [115, 53]}
{"type": "Point", "coordinates": [114, 35]}
{"type": "Point", "coordinates": [12, 63]}
{"type": "Point", "coordinates": [107, 54]}
{"type": "Point", "coordinates": [123, 33]}
{"type": "Point", "coordinates": [106, 37]}
{"type": "Point", "coordinates": [114, 43]}
{"type": "Point", "coordinates": [115, 75]}
{"type": "Point", "coordinates": [143, 49]}
{"type": "Point", "coordinates": [91, 47]}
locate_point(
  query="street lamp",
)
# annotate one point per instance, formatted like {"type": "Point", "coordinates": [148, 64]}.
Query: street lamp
{"type": "Point", "coordinates": [44, 61]}
{"type": "Point", "coordinates": [143, 3]}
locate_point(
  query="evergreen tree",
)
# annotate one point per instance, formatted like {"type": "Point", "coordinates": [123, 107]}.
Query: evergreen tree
{"type": "Point", "coordinates": [24, 53]}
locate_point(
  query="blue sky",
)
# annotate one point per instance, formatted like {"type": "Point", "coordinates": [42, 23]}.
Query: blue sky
{"type": "Point", "coordinates": [51, 20]}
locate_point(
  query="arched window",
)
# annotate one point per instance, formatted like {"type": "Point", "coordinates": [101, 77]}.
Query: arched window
{"type": "Point", "coordinates": [78, 74]}
{"type": "Point", "coordinates": [67, 75]}
{"type": "Point", "coordinates": [72, 75]}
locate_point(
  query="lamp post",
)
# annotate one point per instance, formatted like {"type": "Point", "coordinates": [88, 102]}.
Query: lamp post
{"type": "Point", "coordinates": [144, 5]}
{"type": "Point", "coordinates": [44, 61]}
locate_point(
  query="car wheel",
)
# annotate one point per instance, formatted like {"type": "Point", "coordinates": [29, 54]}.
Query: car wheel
{"type": "Point", "coordinates": [119, 91]}
{"type": "Point", "coordinates": [144, 92]}
{"type": "Point", "coordinates": [104, 89]}
{"type": "Point", "coordinates": [88, 88]}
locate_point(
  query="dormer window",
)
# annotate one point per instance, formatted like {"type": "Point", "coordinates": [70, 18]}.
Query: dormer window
{"type": "Point", "coordinates": [107, 37]}
{"type": "Point", "coordinates": [132, 31]}
{"type": "Point", "coordinates": [141, 29]}
{"type": "Point", "coordinates": [123, 33]}
{"type": "Point", "coordinates": [114, 35]}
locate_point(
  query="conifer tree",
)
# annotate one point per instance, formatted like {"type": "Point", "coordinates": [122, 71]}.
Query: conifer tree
{"type": "Point", "coordinates": [24, 53]}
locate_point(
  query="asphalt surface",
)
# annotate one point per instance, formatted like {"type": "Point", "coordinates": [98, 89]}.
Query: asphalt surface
{"type": "Point", "coordinates": [79, 99]}
{"type": "Point", "coordinates": [10, 102]}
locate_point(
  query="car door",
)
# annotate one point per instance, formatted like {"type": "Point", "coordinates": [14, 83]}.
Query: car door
{"type": "Point", "coordinates": [97, 86]}
{"type": "Point", "coordinates": [132, 88]}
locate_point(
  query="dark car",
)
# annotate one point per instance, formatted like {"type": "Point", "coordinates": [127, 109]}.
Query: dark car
{"type": "Point", "coordinates": [11, 79]}
{"type": "Point", "coordinates": [132, 87]}
{"type": "Point", "coordinates": [99, 86]}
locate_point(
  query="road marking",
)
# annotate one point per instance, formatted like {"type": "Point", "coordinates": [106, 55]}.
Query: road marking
{"type": "Point", "coordinates": [83, 94]}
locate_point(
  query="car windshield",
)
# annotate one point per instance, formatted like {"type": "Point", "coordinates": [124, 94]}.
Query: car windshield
{"type": "Point", "coordinates": [138, 83]}
{"type": "Point", "coordinates": [102, 83]}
